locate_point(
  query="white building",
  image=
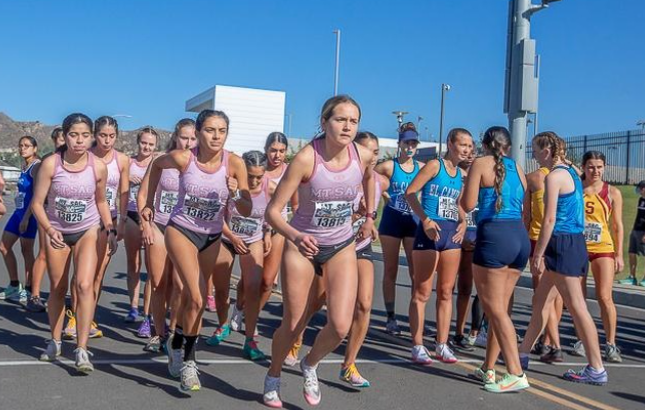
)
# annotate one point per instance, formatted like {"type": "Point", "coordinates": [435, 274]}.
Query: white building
{"type": "Point", "coordinates": [253, 113]}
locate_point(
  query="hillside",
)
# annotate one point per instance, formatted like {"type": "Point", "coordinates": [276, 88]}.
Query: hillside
{"type": "Point", "coordinates": [11, 131]}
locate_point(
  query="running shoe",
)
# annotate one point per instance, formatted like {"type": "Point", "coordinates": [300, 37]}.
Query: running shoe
{"type": "Point", "coordinates": [70, 330]}
{"type": "Point", "coordinates": [189, 377]}
{"type": "Point", "coordinates": [554, 355]}
{"type": "Point", "coordinates": [11, 292]}
{"type": "Point", "coordinates": [83, 364]}
{"type": "Point", "coordinates": [471, 340]}
{"type": "Point", "coordinates": [629, 281]}
{"type": "Point", "coordinates": [271, 397]}
{"type": "Point", "coordinates": [310, 389]}
{"type": "Point", "coordinates": [485, 376]}
{"type": "Point", "coordinates": [153, 345]}
{"type": "Point", "coordinates": [642, 283]}
{"type": "Point", "coordinates": [144, 330]}
{"type": "Point", "coordinates": [95, 332]}
{"type": "Point", "coordinates": [588, 375]}
{"type": "Point", "coordinates": [351, 375]}
{"type": "Point", "coordinates": [53, 350]}
{"type": "Point", "coordinates": [35, 304]}
{"type": "Point", "coordinates": [420, 355]}
{"type": "Point", "coordinates": [252, 352]}
{"type": "Point", "coordinates": [540, 348]}
{"type": "Point", "coordinates": [210, 304]}
{"type": "Point", "coordinates": [175, 359]}
{"type": "Point", "coordinates": [461, 342]}
{"type": "Point", "coordinates": [132, 316]}
{"type": "Point", "coordinates": [292, 357]}
{"type": "Point", "coordinates": [509, 383]}
{"type": "Point", "coordinates": [482, 339]}
{"type": "Point", "coordinates": [219, 335]}
{"type": "Point", "coordinates": [444, 354]}
{"type": "Point", "coordinates": [524, 362]}
{"type": "Point", "coordinates": [236, 318]}
{"type": "Point", "coordinates": [21, 297]}
{"type": "Point", "coordinates": [392, 327]}
{"type": "Point", "coordinates": [578, 349]}
{"type": "Point", "coordinates": [612, 354]}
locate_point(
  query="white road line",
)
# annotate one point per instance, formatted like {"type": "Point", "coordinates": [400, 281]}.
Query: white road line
{"type": "Point", "coordinates": [163, 360]}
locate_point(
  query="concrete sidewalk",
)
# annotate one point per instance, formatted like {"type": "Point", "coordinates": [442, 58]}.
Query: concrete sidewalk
{"type": "Point", "coordinates": [625, 295]}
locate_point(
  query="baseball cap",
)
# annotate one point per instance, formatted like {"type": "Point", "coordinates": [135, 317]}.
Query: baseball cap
{"type": "Point", "coordinates": [641, 185]}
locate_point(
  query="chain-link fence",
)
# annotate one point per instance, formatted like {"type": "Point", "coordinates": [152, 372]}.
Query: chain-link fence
{"type": "Point", "coordinates": [625, 152]}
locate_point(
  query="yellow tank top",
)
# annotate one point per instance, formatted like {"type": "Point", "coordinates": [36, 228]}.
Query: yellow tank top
{"type": "Point", "coordinates": [537, 209]}
{"type": "Point", "coordinates": [597, 213]}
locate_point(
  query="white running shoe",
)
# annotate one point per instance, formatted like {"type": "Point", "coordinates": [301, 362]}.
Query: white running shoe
{"type": "Point", "coordinates": [420, 355]}
{"type": "Point", "coordinates": [482, 339]}
{"type": "Point", "coordinates": [444, 354]}
{"type": "Point", "coordinates": [189, 377]}
{"type": "Point", "coordinates": [578, 349]}
{"type": "Point", "coordinates": [311, 388]}
{"type": "Point", "coordinates": [271, 395]}
{"type": "Point", "coordinates": [392, 327]}
{"type": "Point", "coordinates": [236, 318]}
{"type": "Point", "coordinates": [175, 359]}
{"type": "Point", "coordinates": [53, 351]}
{"type": "Point", "coordinates": [83, 364]}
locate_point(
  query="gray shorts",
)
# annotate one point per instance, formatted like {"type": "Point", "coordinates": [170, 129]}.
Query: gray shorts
{"type": "Point", "coordinates": [636, 245]}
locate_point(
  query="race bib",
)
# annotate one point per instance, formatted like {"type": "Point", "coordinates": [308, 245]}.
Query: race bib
{"type": "Point", "coordinates": [448, 208]}
{"type": "Point", "coordinates": [332, 213]}
{"type": "Point", "coordinates": [134, 192]}
{"type": "Point", "coordinates": [357, 225]}
{"type": "Point", "coordinates": [401, 205]}
{"type": "Point", "coordinates": [167, 201]}
{"type": "Point", "coordinates": [71, 211]}
{"type": "Point", "coordinates": [244, 226]}
{"type": "Point", "coordinates": [205, 209]}
{"type": "Point", "coordinates": [593, 232]}
{"type": "Point", "coordinates": [110, 197]}
{"type": "Point", "coordinates": [470, 219]}
{"type": "Point", "coordinates": [20, 200]}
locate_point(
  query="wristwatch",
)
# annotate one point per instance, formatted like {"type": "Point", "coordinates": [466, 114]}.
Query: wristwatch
{"type": "Point", "coordinates": [372, 215]}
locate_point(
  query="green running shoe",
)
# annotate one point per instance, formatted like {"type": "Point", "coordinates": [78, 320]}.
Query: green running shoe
{"type": "Point", "coordinates": [509, 383]}
{"type": "Point", "coordinates": [219, 335]}
{"type": "Point", "coordinates": [13, 293]}
{"type": "Point", "coordinates": [252, 352]}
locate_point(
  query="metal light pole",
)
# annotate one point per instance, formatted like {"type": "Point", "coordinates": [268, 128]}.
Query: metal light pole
{"type": "Point", "coordinates": [444, 88]}
{"type": "Point", "coordinates": [337, 68]}
{"type": "Point", "coordinates": [419, 119]}
{"type": "Point", "coordinates": [521, 82]}
{"type": "Point", "coordinates": [399, 118]}
{"type": "Point", "coordinates": [289, 116]}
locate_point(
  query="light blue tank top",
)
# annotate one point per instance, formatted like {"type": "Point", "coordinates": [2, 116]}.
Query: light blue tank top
{"type": "Point", "coordinates": [570, 217]}
{"type": "Point", "coordinates": [439, 195]}
{"type": "Point", "coordinates": [398, 185]}
{"type": "Point", "coordinates": [512, 196]}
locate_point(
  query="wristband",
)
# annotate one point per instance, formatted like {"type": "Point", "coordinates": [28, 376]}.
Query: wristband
{"type": "Point", "coordinates": [372, 215]}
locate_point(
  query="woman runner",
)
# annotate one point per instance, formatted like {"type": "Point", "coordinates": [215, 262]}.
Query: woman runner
{"type": "Point", "coordinates": [249, 237]}
{"type": "Point", "coordinates": [602, 203]}
{"type": "Point", "coordinates": [496, 184]}
{"type": "Point", "coordinates": [328, 174]}
{"type": "Point", "coordinates": [147, 139]}
{"type": "Point", "coordinates": [561, 258]}
{"type": "Point", "coordinates": [21, 225]}
{"type": "Point", "coordinates": [73, 181]}
{"type": "Point", "coordinates": [437, 246]}
{"type": "Point", "coordinates": [398, 224]}
{"type": "Point", "coordinates": [209, 176]}
{"type": "Point", "coordinates": [163, 276]}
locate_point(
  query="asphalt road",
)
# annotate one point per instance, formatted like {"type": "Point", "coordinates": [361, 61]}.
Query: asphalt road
{"type": "Point", "coordinates": [126, 377]}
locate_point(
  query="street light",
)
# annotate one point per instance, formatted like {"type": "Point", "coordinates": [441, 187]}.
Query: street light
{"type": "Point", "coordinates": [337, 67]}
{"type": "Point", "coordinates": [641, 123]}
{"type": "Point", "coordinates": [419, 119]}
{"type": "Point", "coordinates": [444, 88]}
{"type": "Point", "coordinates": [399, 117]}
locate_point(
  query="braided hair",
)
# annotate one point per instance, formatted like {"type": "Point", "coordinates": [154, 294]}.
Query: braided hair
{"type": "Point", "coordinates": [551, 140]}
{"type": "Point", "coordinates": [497, 140]}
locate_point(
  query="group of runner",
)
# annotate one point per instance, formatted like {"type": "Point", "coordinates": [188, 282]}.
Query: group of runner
{"type": "Point", "coordinates": [474, 220]}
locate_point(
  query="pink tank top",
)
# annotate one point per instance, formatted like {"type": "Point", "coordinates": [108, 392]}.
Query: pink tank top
{"type": "Point", "coordinates": [277, 181]}
{"type": "Point", "coordinates": [249, 229]}
{"type": "Point", "coordinates": [112, 183]}
{"type": "Point", "coordinates": [71, 201]}
{"type": "Point", "coordinates": [166, 195]}
{"type": "Point", "coordinates": [359, 222]}
{"type": "Point", "coordinates": [202, 197]}
{"type": "Point", "coordinates": [327, 199]}
{"type": "Point", "coordinates": [136, 170]}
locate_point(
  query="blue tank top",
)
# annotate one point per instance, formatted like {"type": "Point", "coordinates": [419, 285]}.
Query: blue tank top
{"type": "Point", "coordinates": [570, 217]}
{"type": "Point", "coordinates": [512, 196]}
{"type": "Point", "coordinates": [25, 188]}
{"type": "Point", "coordinates": [398, 185]}
{"type": "Point", "coordinates": [439, 195]}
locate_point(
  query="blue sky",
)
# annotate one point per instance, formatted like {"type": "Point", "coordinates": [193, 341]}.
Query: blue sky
{"type": "Point", "coordinates": [145, 58]}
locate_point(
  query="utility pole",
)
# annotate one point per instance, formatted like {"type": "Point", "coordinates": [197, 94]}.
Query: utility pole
{"type": "Point", "coordinates": [337, 67]}
{"type": "Point", "coordinates": [521, 80]}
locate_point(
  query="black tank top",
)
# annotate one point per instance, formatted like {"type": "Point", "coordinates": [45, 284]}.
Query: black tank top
{"type": "Point", "coordinates": [639, 223]}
